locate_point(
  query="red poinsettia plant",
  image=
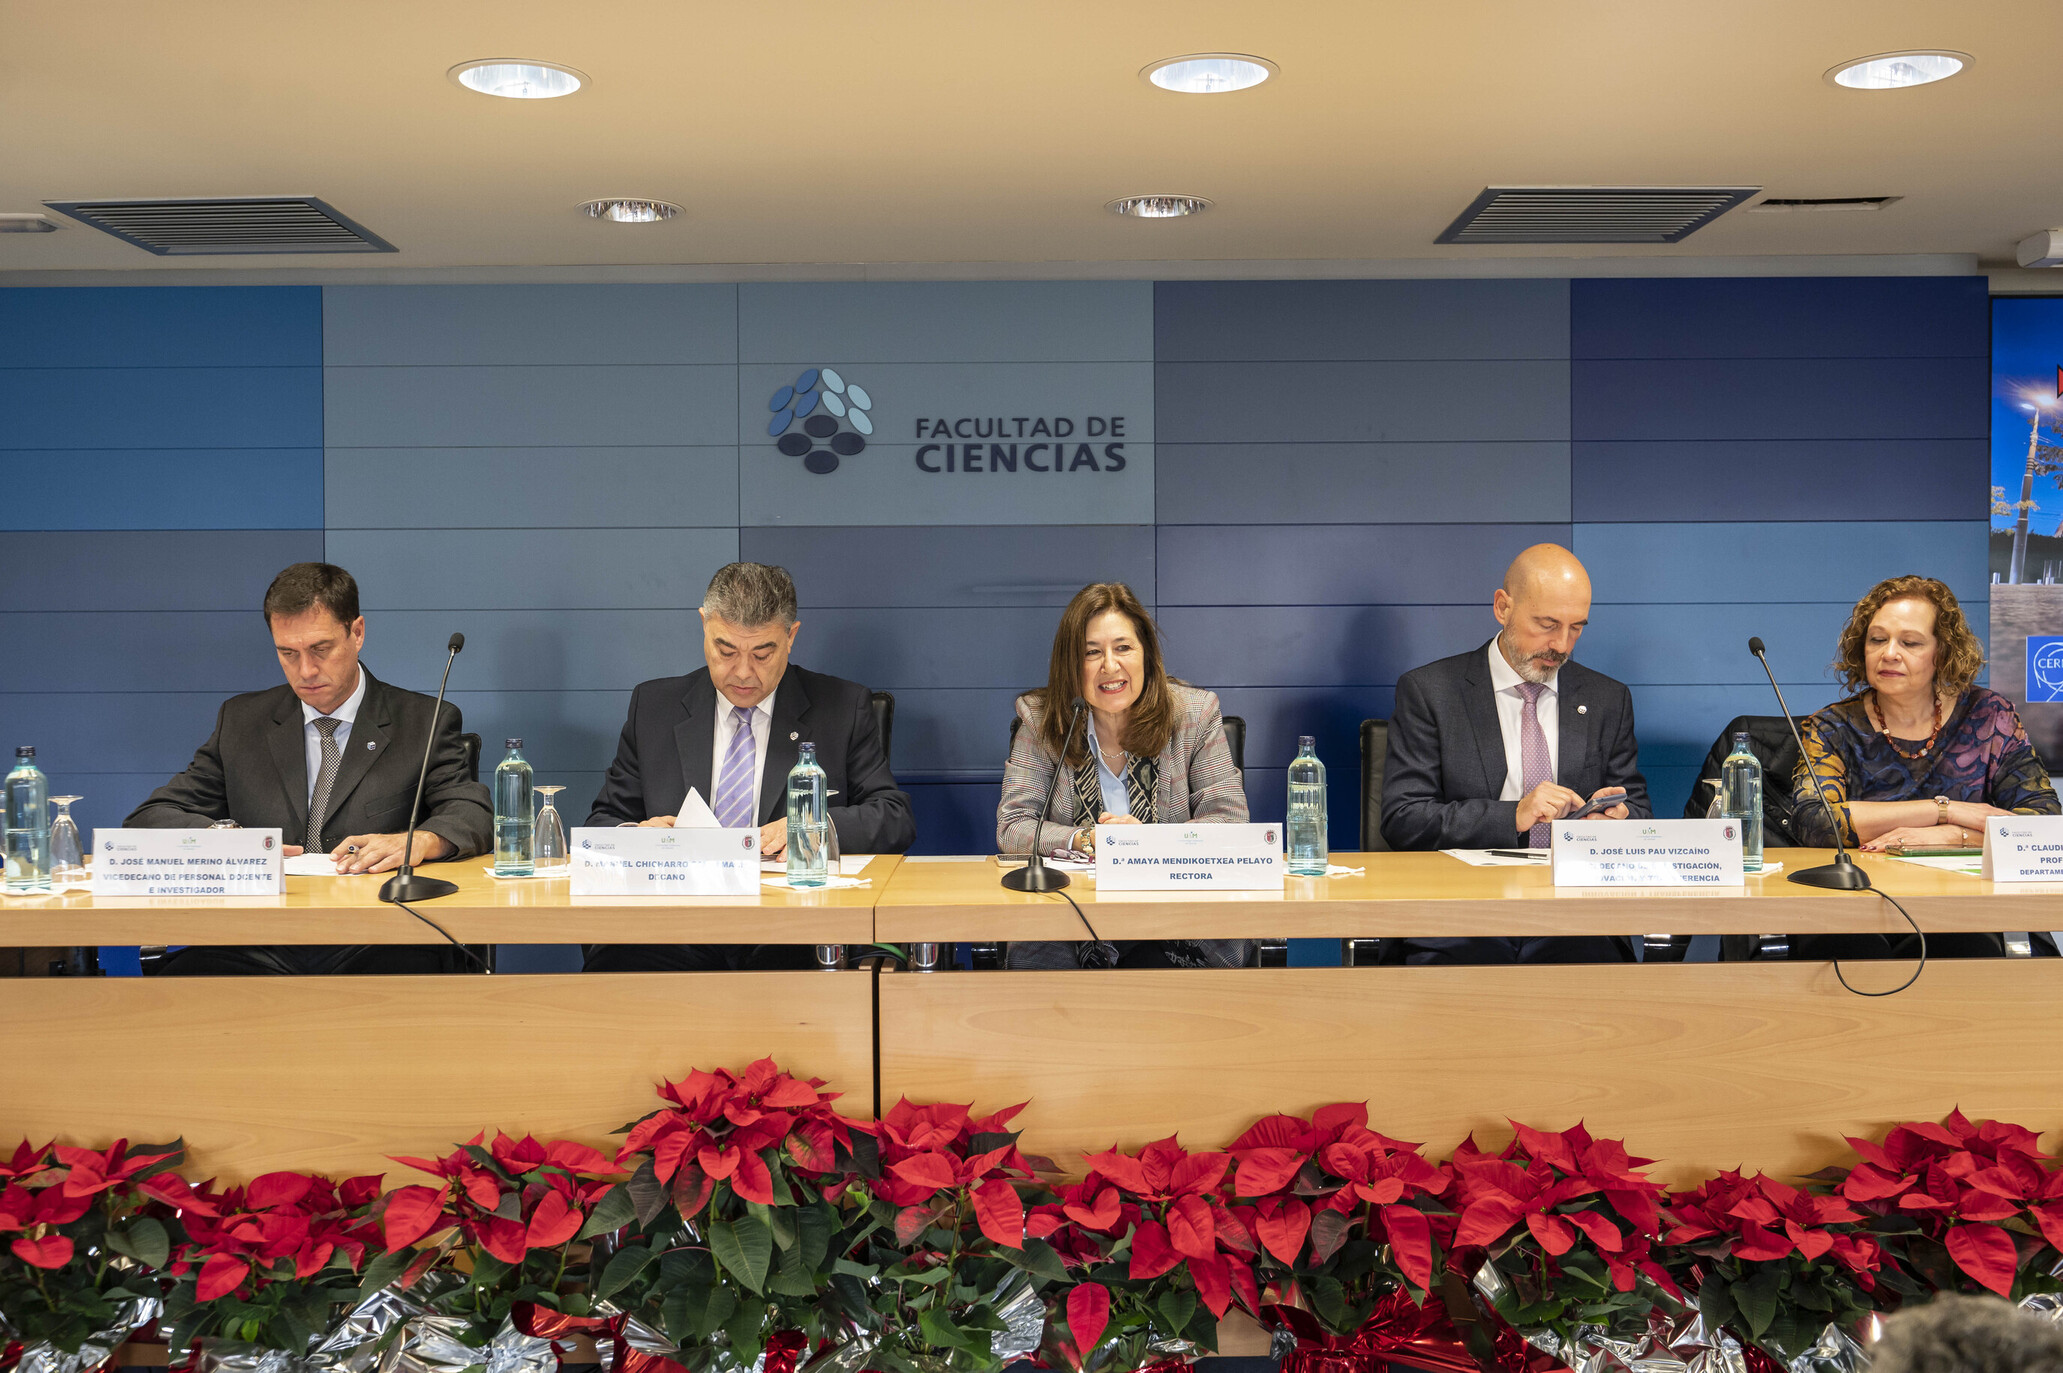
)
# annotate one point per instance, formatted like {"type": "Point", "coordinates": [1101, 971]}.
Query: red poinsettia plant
{"type": "Point", "coordinates": [503, 1217]}
{"type": "Point", "coordinates": [1567, 1224]}
{"type": "Point", "coordinates": [1771, 1262]}
{"type": "Point", "coordinates": [269, 1262]}
{"type": "Point", "coordinates": [1962, 1205]}
{"type": "Point", "coordinates": [85, 1236]}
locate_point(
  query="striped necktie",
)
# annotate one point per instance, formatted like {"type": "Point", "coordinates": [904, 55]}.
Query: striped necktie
{"type": "Point", "coordinates": [1535, 766]}
{"type": "Point", "coordinates": [325, 782]}
{"type": "Point", "coordinates": [733, 801]}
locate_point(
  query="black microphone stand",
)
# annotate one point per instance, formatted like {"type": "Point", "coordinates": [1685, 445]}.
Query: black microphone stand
{"type": "Point", "coordinates": [1035, 876]}
{"type": "Point", "coordinates": [1841, 874]}
{"type": "Point", "coordinates": [404, 885]}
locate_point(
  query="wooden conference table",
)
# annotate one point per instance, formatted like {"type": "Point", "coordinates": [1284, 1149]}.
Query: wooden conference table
{"type": "Point", "coordinates": [1703, 1066]}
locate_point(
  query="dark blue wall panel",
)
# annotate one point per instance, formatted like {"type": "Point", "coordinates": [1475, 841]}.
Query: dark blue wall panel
{"type": "Point", "coordinates": [932, 565]}
{"type": "Point", "coordinates": [1780, 398]}
{"type": "Point", "coordinates": [1780, 317]}
{"type": "Point", "coordinates": [1330, 321]}
{"type": "Point", "coordinates": [1811, 480]}
{"type": "Point", "coordinates": [1331, 564]}
{"type": "Point", "coordinates": [161, 407]}
{"type": "Point", "coordinates": [162, 326]}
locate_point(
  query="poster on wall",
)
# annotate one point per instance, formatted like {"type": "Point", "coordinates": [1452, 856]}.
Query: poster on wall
{"type": "Point", "coordinates": [2027, 514]}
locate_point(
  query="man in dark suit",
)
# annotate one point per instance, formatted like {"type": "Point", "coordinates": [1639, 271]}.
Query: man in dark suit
{"type": "Point", "coordinates": [331, 760]}
{"type": "Point", "coordinates": [730, 732]}
{"type": "Point", "coordinates": [1488, 747]}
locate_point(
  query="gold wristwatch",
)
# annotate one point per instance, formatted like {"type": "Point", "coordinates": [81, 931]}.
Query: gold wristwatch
{"type": "Point", "coordinates": [1941, 810]}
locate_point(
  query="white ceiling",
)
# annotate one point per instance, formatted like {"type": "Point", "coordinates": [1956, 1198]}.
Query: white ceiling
{"type": "Point", "coordinates": [982, 137]}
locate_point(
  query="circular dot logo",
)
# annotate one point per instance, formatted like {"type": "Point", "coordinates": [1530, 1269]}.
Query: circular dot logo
{"type": "Point", "coordinates": [820, 418]}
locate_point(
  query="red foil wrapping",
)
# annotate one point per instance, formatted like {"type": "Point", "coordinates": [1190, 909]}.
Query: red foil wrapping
{"type": "Point", "coordinates": [544, 1323]}
{"type": "Point", "coordinates": [783, 1350]}
{"type": "Point", "coordinates": [1399, 1328]}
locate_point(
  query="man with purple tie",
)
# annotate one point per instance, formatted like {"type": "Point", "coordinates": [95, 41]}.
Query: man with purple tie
{"type": "Point", "coordinates": [731, 733]}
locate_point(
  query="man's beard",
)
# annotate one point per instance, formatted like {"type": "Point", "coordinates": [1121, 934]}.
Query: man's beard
{"type": "Point", "coordinates": [1532, 669]}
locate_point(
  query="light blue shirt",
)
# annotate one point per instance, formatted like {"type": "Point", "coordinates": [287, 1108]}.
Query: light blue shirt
{"type": "Point", "coordinates": [347, 712]}
{"type": "Point", "coordinates": [1115, 801]}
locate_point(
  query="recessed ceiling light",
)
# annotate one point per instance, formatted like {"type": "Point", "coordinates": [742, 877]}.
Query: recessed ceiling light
{"type": "Point", "coordinates": [1890, 71]}
{"type": "Point", "coordinates": [1209, 73]}
{"type": "Point", "coordinates": [27, 224]}
{"type": "Point", "coordinates": [516, 78]}
{"type": "Point", "coordinates": [623, 211]}
{"type": "Point", "coordinates": [1159, 206]}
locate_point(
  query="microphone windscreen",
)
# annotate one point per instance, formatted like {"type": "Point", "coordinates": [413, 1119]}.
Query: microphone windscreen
{"type": "Point", "coordinates": [1755, 647]}
{"type": "Point", "coordinates": [458, 641]}
{"type": "Point", "coordinates": [1081, 703]}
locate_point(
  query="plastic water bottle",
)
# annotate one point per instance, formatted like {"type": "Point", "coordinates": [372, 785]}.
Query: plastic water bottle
{"type": "Point", "coordinates": [809, 822]}
{"type": "Point", "coordinates": [1307, 847]}
{"type": "Point", "coordinates": [1740, 798]}
{"type": "Point", "coordinates": [513, 856]}
{"type": "Point", "coordinates": [28, 824]}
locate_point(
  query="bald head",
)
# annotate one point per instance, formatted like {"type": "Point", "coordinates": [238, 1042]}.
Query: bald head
{"type": "Point", "coordinates": [1543, 606]}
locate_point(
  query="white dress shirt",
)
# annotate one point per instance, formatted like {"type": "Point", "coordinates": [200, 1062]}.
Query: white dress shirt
{"type": "Point", "coordinates": [762, 726]}
{"type": "Point", "coordinates": [1505, 682]}
{"type": "Point", "coordinates": [346, 712]}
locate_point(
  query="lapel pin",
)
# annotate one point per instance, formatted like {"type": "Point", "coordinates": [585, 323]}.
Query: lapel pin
{"type": "Point", "coordinates": [371, 746]}
{"type": "Point", "coordinates": [793, 736]}
{"type": "Point", "coordinates": [1583, 710]}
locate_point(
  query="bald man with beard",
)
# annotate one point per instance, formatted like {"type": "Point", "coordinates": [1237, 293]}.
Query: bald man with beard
{"type": "Point", "coordinates": [1489, 747]}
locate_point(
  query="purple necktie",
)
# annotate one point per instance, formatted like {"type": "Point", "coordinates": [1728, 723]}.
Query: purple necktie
{"type": "Point", "coordinates": [733, 803]}
{"type": "Point", "coordinates": [1535, 766]}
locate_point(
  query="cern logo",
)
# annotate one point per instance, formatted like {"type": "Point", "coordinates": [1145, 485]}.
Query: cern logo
{"type": "Point", "coordinates": [830, 410]}
{"type": "Point", "coordinates": [2044, 668]}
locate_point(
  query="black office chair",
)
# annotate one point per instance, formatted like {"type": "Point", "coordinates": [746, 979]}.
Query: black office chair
{"type": "Point", "coordinates": [469, 745]}
{"type": "Point", "coordinates": [884, 720]}
{"type": "Point", "coordinates": [1770, 737]}
{"type": "Point", "coordinates": [1375, 759]}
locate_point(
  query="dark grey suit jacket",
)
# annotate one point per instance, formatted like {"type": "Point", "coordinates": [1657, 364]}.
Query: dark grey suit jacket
{"type": "Point", "coordinates": [254, 770]}
{"type": "Point", "coordinates": [669, 740]}
{"type": "Point", "coordinates": [1446, 762]}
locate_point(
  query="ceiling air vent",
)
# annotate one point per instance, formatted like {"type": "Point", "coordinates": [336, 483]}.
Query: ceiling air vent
{"type": "Point", "coordinates": [1774, 205]}
{"type": "Point", "coordinates": [1592, 214]}
{"type": "Point", "coordinates": [248, 224]}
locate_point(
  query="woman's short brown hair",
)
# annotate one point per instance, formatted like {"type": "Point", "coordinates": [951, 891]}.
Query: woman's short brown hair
{"type": "Point", "coordinates": [1152, 718]}
{"type": "Point", "coordinates": [1959, 656]}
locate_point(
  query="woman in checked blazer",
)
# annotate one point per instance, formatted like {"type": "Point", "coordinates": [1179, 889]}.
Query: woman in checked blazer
{"type": "Point", "coordinates": [1151, 750]}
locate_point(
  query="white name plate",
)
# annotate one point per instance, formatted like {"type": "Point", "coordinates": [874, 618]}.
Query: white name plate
{"type": "Point", "coordinates": [187, 863]}
{"type": "Point", "coordinates": [1647, 853]}
{"type": "Point", "coordinates": [665, 862]}
{"type": "Point", "coordinates": [2023, 848]}
{"type": "Point", "coordinates": [1186, 857]}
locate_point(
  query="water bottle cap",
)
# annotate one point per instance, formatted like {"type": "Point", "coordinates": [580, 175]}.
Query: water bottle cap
{"type": "Point", "coordinates": [806, 745]}
{"type": "Point", "coordinates": [512, 743]}
{"type": "Point", "coordinates": [1740, 736]}
{"type": "Point", "coordinates": [25, 751]}
{"type": "Point", "coordinates": [1307, 741]}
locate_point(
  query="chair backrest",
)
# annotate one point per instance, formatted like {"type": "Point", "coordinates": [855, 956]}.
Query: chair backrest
{"type": "Point", "coordinates": [1375, 756]}
{"type": "Point", "coordinates": [884, 720]}
{"type": "Point", "coordinates": [1770, 737]}
{"type": "Point", "coordinates": [469, 746]}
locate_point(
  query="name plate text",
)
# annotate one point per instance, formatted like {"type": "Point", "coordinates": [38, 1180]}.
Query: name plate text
{"type": "Point", "coordinates": [2023, 848]}
{"type": "Point", "coordinates": [665, 862]}
{"type": "Point", "coordinates": [1647, 853]}
{"type": "Point", "coordinates": [1187, 857]}
{"type": "Point", "coordinates": [187, 863]}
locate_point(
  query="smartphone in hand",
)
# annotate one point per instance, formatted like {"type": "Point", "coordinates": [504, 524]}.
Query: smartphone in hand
{"type": "Point", "coordinates": [1593, 807]}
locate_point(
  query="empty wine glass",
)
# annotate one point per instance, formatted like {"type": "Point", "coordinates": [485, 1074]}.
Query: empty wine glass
{"type": "Point", "coordinates": [67, 856]}
{"type": "Point", "coordinates": [549, 837]}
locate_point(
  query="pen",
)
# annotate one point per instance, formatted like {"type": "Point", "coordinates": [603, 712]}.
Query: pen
{"type": "Point", "coordinates": [1518, 853]}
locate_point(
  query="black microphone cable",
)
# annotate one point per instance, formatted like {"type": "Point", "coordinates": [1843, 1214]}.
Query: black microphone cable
{"type": "Point", "coordinates": [1923, 951]}
{"type": "Point", "coordinates": [1101, 953]}
{"type": "Point", "coordinates": [446, 933]}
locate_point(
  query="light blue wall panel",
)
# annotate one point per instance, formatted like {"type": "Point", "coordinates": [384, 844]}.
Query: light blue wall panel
{"type": "Point", "coordinates": [1274, 321]}
{"type": "Point", "coordinates": [1690, 644]}
{"type": "Point", "coordinates": [1781, 317]}
{"type": "Point", "coordinates": [1679, 724]}
{"type": "Point", "coordinates": [198, 650]}
{"type": "Point", "coordinates": [160, 326]}
{"type": "Point", "coordinates": [944, 733]}
{"type": "Point", "coordinates": [1753, 562]}
{"type": "Point", "coordinates": [887, 485]}
{"type": "Point", "coordinates": [1780, 479]}
{"type": "Point", "coordinates": [1788, 398]}
{"type": "Point", "coordinates": [170, 570]}
{"type": "Point", "coordinates": [836, 324]}
{"type": "Point", "coordinates": [555, 569]}
{"type": "Point", "coordinates": [181, 488]}
{"type": "Point", "coordinates": [160, 407]}
{"type": "Point", "coordinates": [971, 566]}
{"type": "Point", "coordinates": [459, 407]}
{"type": "Point", "coordinates": [891, 649]}
{"type": "Point", "coordinates": [1284, 645]}
{"type": "Point", "coordinates": [1367, 564]}
{"type": "Point", "coordinates": [516, 325]}
{"type": "Point", "coordinates": [1332, 716]}
{"type": "Point", "coordinates": [534, 650]}
{"type": "Point", "coordinates": [108, 797]}
{"type": "Point", "coordinates": [532, 488]}
{"type": "Point", "coordinates": [955, 818]}
{"type": "Point", "coordinates": [1316, 402]}
{"type": "Point", "coordinates": [1360, 483]}
{"type": "Point", "coordinates": [562, 731]}
{"type": "Point", "coordinates": [154, 732]}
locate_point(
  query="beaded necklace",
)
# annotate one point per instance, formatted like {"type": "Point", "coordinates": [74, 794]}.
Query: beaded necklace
{"type": "Point", "coordinates": [1877, 719]}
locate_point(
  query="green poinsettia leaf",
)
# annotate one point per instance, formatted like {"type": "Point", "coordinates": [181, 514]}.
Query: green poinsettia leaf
{"type": "Point", "coordinates": [744, 1247]}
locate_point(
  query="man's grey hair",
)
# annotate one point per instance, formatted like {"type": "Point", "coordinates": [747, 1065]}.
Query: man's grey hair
{"type": "Point", "coordinates": [1955, 1334]}
{"type": "Point", "coordinates": [749, 595]}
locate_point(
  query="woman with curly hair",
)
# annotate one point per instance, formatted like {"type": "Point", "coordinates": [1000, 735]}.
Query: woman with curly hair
{"type": "Point", "coordinates": [1920, 754]}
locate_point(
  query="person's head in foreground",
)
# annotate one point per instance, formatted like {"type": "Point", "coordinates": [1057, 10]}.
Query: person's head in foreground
{"type": "Point", "coordinates": [1954, 1334]}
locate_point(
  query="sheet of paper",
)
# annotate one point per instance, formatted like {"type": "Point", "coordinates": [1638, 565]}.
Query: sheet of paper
{"type": "Point", "coordinates": [849, 865]}
{"type": "Point", "coordinates": [1485, 858]}
{"type": "Point", "coordinates": [695, 814]}
{"type": "Point", "coordinates": [948, 858]}
{"type": "Point", "coordinates": [830, 884]}
{"type": "Point", "coordinates": [1970, 864]}
{"type": "Point", "coordinates": [310, 865]}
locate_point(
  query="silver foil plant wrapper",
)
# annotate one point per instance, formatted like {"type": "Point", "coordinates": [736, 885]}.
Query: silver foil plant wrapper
{"type": "Point", "coordinates": [132, 1315]}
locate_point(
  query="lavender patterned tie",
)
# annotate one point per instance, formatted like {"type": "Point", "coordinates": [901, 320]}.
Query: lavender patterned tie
{"type": "Point", "coordinates": [733, 803]}
{"type": "Point", "coordinates": [1535, 766]}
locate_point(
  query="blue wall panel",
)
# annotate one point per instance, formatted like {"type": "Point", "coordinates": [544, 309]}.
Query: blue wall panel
{"type": "Point", "coordinates": [1812, 480]}
{"type": "Point", "coordinates": [974, 565]}
{"type": "Point", "coordinates": [1275, 402]}
{"type": "Point", "coordinates": [160, 326]}
{"type": "Point", "coordinates": [1342, 565]}
{"type": "Point", "coordinates": [1361, 483]}
{"type": "Point", "coordinates": [1781, 317]}
{"type": "Point", "coordinates": [533, 488]}
{"type": "Point", "coordinates": [1327, 321]}
{"type": "Point", "coordinates": [161, 407]}
{"type": "Point", "coordinates": [1781, 398]}
{"type": "Point", "coordinates": [1769, 563]}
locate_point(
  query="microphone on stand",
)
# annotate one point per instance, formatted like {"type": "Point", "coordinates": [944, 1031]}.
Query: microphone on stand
{"type": "Point", "coordinates": [1841, 874]}
{"type": "Point", "coordinates": [404, 885]}
{"type": "Point", "coordinates": [1035, 876]}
